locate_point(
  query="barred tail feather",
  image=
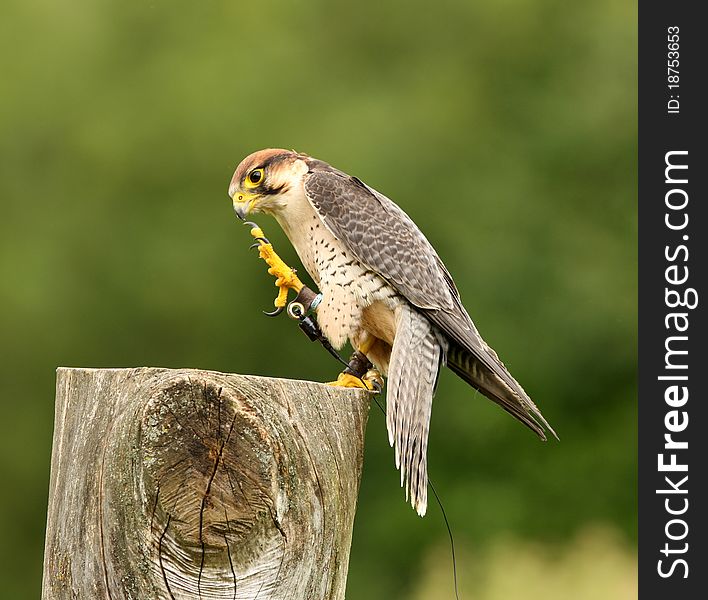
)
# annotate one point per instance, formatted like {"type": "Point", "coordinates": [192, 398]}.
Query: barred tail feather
{"type": "Point", "coordinates": [417, 354]}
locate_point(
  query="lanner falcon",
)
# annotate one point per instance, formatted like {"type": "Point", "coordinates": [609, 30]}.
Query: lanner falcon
{"type": "Point", "coordinates": [384, 288]}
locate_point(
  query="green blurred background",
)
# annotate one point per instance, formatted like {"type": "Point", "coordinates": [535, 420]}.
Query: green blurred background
{"type": "Point", "coordinates": [505, 128]}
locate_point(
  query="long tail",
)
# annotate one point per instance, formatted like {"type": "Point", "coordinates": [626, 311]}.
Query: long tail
{"type": "Point", "coordinates": [466, 365]}
{"type": "Point", "coordinates": [417, 354]}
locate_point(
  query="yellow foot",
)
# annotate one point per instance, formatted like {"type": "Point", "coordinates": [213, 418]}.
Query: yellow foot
{"type": "Point", "coordinates": [285, 277]}
{"type": "Point", "coordinates": [372, 381]}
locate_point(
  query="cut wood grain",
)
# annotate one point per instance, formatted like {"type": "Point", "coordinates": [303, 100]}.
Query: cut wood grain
{"type": "Point", "coordinates": [176, 484]}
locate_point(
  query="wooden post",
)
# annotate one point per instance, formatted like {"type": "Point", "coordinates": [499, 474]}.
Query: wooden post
{"type": "Point", "coordinates": [176, 484]}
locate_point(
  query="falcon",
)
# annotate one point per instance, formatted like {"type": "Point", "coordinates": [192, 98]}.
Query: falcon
{"type": "Point", "coordinates": [383, 288]}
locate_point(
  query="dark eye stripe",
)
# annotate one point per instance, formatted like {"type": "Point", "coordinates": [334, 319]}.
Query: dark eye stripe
{"type": "Point", "coordinates": [281, 189]}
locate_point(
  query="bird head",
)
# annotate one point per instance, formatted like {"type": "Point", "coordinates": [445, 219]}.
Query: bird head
{"type": "Point", "coordinates": [264, 179]}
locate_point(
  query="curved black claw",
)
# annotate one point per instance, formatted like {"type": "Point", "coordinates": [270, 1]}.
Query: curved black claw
{"type": "Point", "coordinates": [375, 379]}
{"type": "Point", "coordinates": [251, 223]}
{"type": "Point", "coordinates": [274, 313]}
{"type": "Point", "coordinates": [258, 243]}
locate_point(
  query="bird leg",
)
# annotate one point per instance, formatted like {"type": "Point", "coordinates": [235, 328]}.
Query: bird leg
{"type": "Point", "coordinates": [360, 373]}
{"type": "Point", "coordinates": [285, 277]}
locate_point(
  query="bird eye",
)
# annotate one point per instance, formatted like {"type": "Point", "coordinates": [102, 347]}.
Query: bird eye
{"type": "Point", "coordinates": [255, 177]}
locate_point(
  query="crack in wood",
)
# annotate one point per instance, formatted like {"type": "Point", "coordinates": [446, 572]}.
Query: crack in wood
{"type": "Point", "coordinates": [154, 506]}
{"type": "Point", "coordinates": [228, 550]}
{"type": "Point", "coordinates": [205, 499]}
{"type": "Point", "coordinates": [159, 555]}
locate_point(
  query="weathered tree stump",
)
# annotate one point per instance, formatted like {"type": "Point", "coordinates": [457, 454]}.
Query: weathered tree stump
{"type": "Point", "coordinates": [183, 484]}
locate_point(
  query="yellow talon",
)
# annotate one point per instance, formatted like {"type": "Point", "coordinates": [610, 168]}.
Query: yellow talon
{"type": "Point", "coordinates": [285, 277]}
{"type": "Point", "coordinates": [257, 232]}
{"type": "Point", "coordinates": [349, 381]}
{"type": "Point", "coordinates": [372, 381]}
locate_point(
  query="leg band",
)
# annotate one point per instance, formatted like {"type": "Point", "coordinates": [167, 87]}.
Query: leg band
{"type": "Point", "coordinates": [358, 365]}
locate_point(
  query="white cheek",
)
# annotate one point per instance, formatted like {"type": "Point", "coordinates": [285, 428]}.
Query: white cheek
{"type": "Point", "coordinates": [298, 170]}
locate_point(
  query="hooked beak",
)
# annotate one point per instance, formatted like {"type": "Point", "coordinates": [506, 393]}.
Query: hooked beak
{"type": "Point", "coordinates": [243, 204]}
